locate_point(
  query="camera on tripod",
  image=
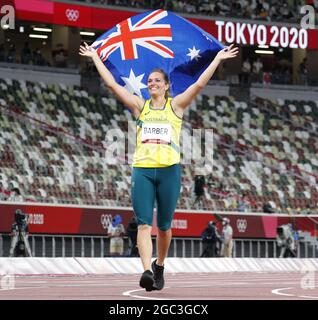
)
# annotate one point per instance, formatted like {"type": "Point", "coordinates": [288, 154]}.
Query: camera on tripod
{"type": "Point", "coordinates": [20, 246]}
{"type": "Point", "coordinates": [20, 218]}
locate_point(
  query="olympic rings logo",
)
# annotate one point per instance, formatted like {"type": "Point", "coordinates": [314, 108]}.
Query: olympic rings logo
{"type": "Point", "coordinates": [72, 15]}
{"type": "Point", "coordinates": [106, 220]}
{"type": "Point", "coordinates": [241, 225]}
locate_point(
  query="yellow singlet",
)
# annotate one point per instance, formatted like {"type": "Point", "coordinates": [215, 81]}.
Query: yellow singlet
{"type": "Point", "coordinates": [158, 134]}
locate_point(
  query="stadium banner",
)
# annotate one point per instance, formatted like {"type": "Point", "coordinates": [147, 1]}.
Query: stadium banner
{"type": "Point", "coordinates": [72, 15]}
{"type": "Point", "coordinates": [227, 31]}
{"type": "Point", "coordinates": [275, 36]}
{"type": "Point", "coordinates": [34, 10]}
{"type": "Point", "coordinates": [68, 219]}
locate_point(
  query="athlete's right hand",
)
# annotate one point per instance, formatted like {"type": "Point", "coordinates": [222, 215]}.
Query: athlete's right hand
{"type": "Point", "coordinates": [87, 51]}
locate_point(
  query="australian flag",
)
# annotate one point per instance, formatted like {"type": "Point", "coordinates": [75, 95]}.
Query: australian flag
{"type": "Point", "coordinates": [156, 39]}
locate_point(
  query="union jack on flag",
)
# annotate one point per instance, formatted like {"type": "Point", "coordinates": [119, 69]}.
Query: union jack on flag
{"type": "Point", "coordinates": [156, 39]}
{"type": "Point", "coordinates": [143, 33]}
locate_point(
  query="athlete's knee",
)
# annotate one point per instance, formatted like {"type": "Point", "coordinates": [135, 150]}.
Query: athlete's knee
{"type": "Point", "coordinates": [164, 227]}
{"type": "Point", "coordinates": [164, 234]}
{"type": "Point", "coordinates": [144, 220]}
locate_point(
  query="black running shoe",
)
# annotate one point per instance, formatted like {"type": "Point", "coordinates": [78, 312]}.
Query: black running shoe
{"type": "Point", "coordinates": [147, 280]}
{"type": "Point", "coordinates": [158, 275]}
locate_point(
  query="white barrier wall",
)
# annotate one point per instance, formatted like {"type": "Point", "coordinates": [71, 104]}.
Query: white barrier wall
{"type": "Point", "coordinates": [93, 266]}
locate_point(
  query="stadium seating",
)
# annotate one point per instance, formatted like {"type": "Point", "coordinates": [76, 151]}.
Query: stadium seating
{"type": "Point", "coordinates": [249, 9]}
{"type": "Point", "coordinates": [53, 148]}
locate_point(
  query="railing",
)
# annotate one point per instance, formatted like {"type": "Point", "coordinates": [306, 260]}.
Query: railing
{"type": "Point", "coordinates": [98, 246]}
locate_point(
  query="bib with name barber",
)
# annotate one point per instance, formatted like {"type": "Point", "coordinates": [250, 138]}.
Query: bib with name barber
{"type": "Point", "coordinates": [158, 134]}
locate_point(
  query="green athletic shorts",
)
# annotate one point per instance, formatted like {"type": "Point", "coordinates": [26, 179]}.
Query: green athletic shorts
{"type": "Point", "coordinates": [156, 185]}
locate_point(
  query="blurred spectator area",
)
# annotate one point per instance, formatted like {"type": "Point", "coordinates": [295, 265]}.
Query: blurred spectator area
{"type": "Point", "coordinates": [268, 10]}
{"type": "Point", "coordinates": [275, 69]}
{"type": "Point", "coordinates": [32, 53]}
{"type": "Point", "coordinates": [24, 54]}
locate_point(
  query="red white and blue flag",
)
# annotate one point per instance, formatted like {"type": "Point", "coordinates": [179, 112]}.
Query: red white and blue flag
{"type": "Point", "coordinates": [156, 39]}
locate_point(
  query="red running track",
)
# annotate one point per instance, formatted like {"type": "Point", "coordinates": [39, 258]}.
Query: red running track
{"type": "Point", "coordinates": [180, 286]}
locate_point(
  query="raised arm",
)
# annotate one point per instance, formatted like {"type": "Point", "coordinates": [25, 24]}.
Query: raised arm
{"type": "Point", "coordinates": [184, 99]}
{"type": "Point", "coordinates": [133, 102]}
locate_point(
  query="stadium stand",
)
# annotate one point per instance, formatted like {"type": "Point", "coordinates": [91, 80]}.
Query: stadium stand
{"type": "Point", "coordinates": [53, 148]}
{"type": "Point", "coordinates": [270, 10]}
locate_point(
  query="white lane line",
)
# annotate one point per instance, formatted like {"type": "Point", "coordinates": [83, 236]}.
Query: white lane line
{"type": "Point", "coordinates": [52, 286]}
{"type": "Point", "coordinates": [308, 297]}
{"type": "Point", "coordinates": [277, 291]}
{"type": "Point", "coordinates": [24, 288]}
{"type": "Point", "coordinates": [130, 294]}
{"type": "Point", "coordinates": [212, 286]}
{"type": "Point", "coordinates": [282, 283]}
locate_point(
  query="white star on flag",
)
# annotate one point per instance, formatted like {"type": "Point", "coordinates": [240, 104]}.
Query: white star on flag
{"type": "Point", "coordinates": [133, 84]}
{"type": "Point", "coordinates": [194, 53]}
